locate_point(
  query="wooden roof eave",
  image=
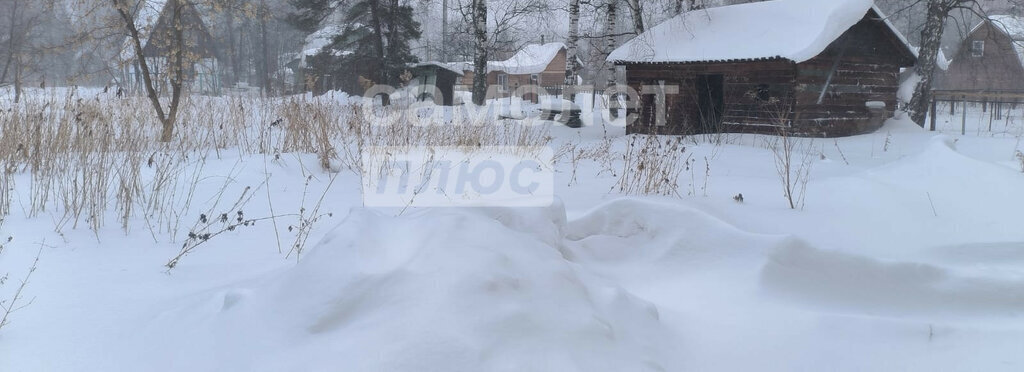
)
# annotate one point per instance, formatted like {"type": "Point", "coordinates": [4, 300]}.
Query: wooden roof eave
{"type": "Point", "coordinates": [704, 62]}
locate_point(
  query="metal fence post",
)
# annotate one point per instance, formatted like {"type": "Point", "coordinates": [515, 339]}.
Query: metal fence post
{"type": "Point", "coordinates": [932, 113]}
{"type": "Point", "coordinates": [963, 118]}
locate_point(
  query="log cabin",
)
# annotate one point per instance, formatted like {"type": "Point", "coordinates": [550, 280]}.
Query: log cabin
{"type": "Point", "coordinates": [989, 60]}
{"type": "Point", "coordinates": [813, 68]}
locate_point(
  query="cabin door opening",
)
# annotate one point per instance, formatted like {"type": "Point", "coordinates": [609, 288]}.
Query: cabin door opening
{"type": "Point", "coordinates": [710, 102]}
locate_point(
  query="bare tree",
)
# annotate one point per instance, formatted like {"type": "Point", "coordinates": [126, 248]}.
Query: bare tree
{"type": "Point", "coordinates": [23, 18]}
{"type": "Point", "coordinates": [931, 42]}
{"type": "Point", "coordinates": [688, 5]}
{"type": "Point", "coordinates": [636, 11]}
{"type": "Point", "coordinates": [175, 54]}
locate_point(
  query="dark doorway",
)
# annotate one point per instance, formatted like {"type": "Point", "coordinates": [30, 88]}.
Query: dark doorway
{"type": "Point", "coordinates": [710, 102]}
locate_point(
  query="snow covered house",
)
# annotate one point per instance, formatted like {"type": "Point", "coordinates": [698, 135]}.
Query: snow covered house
{"type": "Point", "coordinates": [535, 64]}
{"type": "Point", "coordinates": [153, 19]}
{"type": "Point", "coordinates": [990, 59]}
{"type": "Point", "coordinates": [821, 68]}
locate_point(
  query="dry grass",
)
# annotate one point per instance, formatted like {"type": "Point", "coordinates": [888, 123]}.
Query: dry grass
{"type": "Point", "coordinates": [87, 157]}
{"type": "Point", "coordinates": [652, 165]}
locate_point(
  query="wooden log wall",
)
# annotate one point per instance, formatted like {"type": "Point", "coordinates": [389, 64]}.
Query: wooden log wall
{"type": "Point", "coordinates": [741, 82]}
{"type": "Point", "coordinates": [843, 110]}
{"type": "Point", "coordinates": [869, 58]}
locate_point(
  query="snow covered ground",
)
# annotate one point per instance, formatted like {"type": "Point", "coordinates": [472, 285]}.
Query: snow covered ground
{"type": "Point", "coordinates": [908, 255]}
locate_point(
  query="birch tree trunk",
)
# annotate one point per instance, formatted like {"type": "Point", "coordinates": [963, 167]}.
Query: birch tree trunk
{"type": "Point", "coordinates": [613, 99]}
{"type": "Point", "coordinates": [637, 13]}
{"type": "Point", "coordinates": [931, 41]}
{"type": "Point", "coordinates": [480, 52]}
{"type": "Point", "coordinates": [571, 50]}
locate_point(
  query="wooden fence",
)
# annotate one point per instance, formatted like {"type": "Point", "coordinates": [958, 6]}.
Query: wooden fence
{"type": "Point", "coordinates": [996, 101]}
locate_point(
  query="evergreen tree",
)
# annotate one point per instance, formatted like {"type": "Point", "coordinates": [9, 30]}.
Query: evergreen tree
{"type": "Point", "coordinates": [374, 43]}
{"type": "Point", "coordinates": [309, 14]}
{"type": "Point", "coordinates": [377, 36]}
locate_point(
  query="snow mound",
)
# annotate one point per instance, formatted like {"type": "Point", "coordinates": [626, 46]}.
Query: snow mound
{"type": "Point", "coordinates": [627, 230]}
{"type": "Point", "coordinates": [797, 30]}
{"type": "Point", "coordinates": [948, 174]}
{"type": "Point", "coordinates": [901, 123]}
{"type": "Point", "coordinates": [853, 282]}
{"type": "Point", "coordinates": [444, 290]}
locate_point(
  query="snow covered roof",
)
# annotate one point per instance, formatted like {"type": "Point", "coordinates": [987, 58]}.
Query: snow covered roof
{"type": "Point", "coordinates": [797, 30]}
{"type": "Point", "coordinates": [446, 66]}
{"type": "Point", "coordinates": [461, 66]}
{"type": "Point", "coordinates": [316, 41]}
{"type": "Point", "coordinates": [532, 59]}
{"type": "Point", "coordinates": [320, 39]}
{"type": "Point", "coordinates": [1011, 25]}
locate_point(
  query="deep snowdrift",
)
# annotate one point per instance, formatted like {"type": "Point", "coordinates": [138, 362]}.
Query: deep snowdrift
{"type": "Point", "coordinates": [628, 231]}
{"type": "Point", "coordinates": [442, 290]}
{"type": "Point", "coordinates": [907, 257]}
{"type": "Point", "coordinates": [851, 283]}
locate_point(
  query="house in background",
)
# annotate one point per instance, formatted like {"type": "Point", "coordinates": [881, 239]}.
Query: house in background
{"type": "Point", "coordinates": [153, 19]}
{"type": "Point", "coordinates": [990, 59]}
{"type": "Point", "coordinates": [535, 64]}
{"type": "Point", "coordinates": [1000, 6]}
{"type": "Point", "coordinates": [806, 67]}
{"type": "Point", "coordinates": [465, 82]}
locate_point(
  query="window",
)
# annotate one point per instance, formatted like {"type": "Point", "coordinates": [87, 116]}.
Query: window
{"type": "Point", "coordinates": [534, 79]}
{"type": "Point", "coordinates": [503, 81]}
{"type": "Point", "coordinates": [978, 48]}
{"type": "Point", "coordinates": [763, 93]}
